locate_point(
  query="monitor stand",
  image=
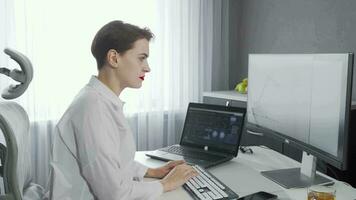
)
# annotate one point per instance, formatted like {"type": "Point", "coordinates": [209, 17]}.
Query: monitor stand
{"type": "Point", "coordinates": [298, 177]}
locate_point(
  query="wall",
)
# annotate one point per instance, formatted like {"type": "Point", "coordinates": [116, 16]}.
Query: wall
{"type": "Point", "coordinates": [289, 26]}
{"type": "Point", "coordinates": [235, 12]}
{"type": "Point", "coordinates": [220, 50]}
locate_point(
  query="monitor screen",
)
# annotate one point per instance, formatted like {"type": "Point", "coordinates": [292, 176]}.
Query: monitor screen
{"type": "Point", "coordinates": [217, 127]}
{"type": "Point", "coordinates": [304, 99]}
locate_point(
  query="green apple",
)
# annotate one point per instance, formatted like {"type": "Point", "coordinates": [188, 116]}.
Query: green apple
{"type": "Point", "coordinates": [244, 81]}
{"type": "Point", "coordinates": [241, 88]}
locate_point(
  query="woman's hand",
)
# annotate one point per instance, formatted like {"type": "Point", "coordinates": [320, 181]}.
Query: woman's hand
{"type": "Point", "coordinates": [161, 172]}
{"type": "Point", "coordinates": [177, 177]}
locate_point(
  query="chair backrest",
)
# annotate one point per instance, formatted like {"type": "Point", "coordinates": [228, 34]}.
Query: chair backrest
{"type": "Point", "coordinates": [14, 124]}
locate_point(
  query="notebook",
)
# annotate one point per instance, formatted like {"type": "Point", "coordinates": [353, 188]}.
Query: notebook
{"type": "Point", "coordinates": [211, 135]}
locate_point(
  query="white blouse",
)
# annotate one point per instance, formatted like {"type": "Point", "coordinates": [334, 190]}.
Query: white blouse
{"type": "Point", "coordinates": [93, 151]}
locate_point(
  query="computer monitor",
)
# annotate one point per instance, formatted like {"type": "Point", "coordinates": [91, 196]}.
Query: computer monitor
{"type": "Point", "coordinates": [305, 100]}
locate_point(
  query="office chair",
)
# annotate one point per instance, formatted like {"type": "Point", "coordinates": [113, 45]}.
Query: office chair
{"type": "Point", "coordinates": [14, 125]}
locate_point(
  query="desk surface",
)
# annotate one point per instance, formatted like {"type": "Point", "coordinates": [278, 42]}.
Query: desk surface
{"type": "Point", "coordinates": [242, 175]}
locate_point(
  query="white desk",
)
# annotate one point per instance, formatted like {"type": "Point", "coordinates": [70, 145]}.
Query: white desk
{"type": "Point", "coordinates": [242, 175]}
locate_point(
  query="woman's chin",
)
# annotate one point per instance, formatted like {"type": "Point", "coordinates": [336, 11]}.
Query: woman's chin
{"type": "Point", "coordinates": [136, 86]}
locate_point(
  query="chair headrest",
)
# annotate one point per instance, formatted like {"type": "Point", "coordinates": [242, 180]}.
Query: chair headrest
{"type": "Point", "coordinates": [24, 76]}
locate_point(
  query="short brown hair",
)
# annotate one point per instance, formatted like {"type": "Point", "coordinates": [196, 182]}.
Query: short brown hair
{"type": "Point", "coordinates": [116, 35]}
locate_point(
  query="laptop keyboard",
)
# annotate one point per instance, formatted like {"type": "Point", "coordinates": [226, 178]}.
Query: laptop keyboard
{"type": "Point", "coordinates": [179, 150]}
{"type": "Point", "coordinates": [206, 186]}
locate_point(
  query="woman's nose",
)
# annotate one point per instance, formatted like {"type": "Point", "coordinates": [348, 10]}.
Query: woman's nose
{"type": "Point", "coordinates": [146, 68]}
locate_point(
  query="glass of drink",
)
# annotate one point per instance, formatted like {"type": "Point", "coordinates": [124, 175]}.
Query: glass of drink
{"type": "Point", "coordinates": [319, 192]}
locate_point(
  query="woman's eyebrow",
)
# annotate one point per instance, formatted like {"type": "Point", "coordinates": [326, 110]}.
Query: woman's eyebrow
{"type": "Point", "coordinates": [144, 54]}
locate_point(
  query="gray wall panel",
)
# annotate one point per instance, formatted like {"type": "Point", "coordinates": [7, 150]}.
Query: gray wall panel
{"type": "Point", "coordinates": [289, 26]}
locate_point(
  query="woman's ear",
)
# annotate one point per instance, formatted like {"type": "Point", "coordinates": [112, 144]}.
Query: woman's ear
{"type": "Point", "coordinates": [112, 58]}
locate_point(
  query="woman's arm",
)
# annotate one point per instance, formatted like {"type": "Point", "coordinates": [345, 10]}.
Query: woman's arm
{"type": "Point", "coordinates": [161, 172]}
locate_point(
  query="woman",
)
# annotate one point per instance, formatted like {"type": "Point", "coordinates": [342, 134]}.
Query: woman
{"type": "Point", "coordinates": [93, 148]}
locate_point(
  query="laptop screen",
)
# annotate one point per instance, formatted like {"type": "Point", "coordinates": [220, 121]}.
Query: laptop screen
{"type": "Point", "coordinates": [218, 127]}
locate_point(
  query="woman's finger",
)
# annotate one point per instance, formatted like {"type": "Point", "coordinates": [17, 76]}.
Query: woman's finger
{"type": "Point", "coordinates": [176, 162]}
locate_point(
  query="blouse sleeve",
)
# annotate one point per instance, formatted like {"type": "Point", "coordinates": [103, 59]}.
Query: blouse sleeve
{"type": "Point", "coordinates": [139, 170]}
{"type": "Point", "coordinates": [106, 181]}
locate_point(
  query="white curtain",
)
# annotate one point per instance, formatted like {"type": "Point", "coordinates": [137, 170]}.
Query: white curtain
{"type": "Point", "coordinates": [56, 36]}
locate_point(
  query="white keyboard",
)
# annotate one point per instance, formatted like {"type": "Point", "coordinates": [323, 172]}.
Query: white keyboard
{"type": "Point", "coordinates": [206, 186]}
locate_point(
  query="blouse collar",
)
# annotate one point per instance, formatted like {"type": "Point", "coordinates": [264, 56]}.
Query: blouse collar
{"type": "Point", "coordinates": [105, 91]}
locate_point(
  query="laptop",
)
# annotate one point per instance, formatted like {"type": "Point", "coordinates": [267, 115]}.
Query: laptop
{"type": "Point", "coordinates": [211, 135]}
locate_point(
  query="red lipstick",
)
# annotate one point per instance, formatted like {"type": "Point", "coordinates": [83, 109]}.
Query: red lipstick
{"type": "Point", "coordinates": [142, 77]}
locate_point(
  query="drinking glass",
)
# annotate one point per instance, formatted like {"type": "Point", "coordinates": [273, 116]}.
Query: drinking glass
{"type": "Point", "coordinates": [319, 192]}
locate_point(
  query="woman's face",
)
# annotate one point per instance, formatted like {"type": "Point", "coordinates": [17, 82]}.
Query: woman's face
{"type": "Point", "coordinates": [133, 65]}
